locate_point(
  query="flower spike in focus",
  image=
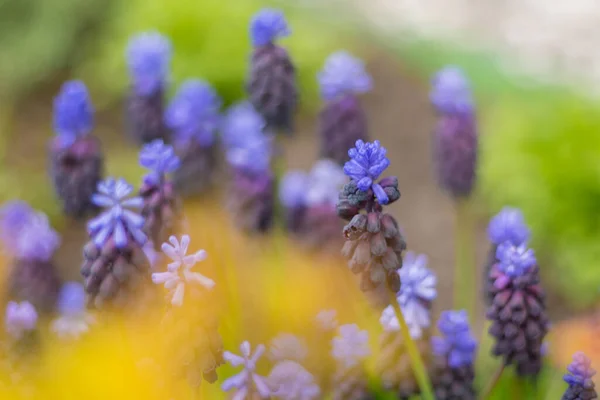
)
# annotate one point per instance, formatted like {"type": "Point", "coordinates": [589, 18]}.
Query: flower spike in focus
{"type": "Point", "coordinates": [367, 163]}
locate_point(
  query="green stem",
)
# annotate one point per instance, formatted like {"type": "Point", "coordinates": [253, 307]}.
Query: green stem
{"type": "Point", "coordinates": [465, 271]}
{"type": "Point", "coordinates": [493, 383]}
{"type": "Point", "coordinates": [417, 364]}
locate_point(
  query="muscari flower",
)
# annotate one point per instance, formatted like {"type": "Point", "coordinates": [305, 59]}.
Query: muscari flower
{"type": "Point", "coordinates": [193, 114]}
{"type": "Point", "coordinates": [367, 163]}
{"type": "Point", "coordinates": [247, 382]}
{"type": "Point", "coordinates": [73, 320]}
{"type": "Point", "coordinates": [117, 220]}
{"type": "Point", "coordinates": [457, 343]}
{"type": "Point", "coordinates": [148, 58]}
{"type": "Point", "coordinates": [515, 260]}
{"type": "Point", "coordinates": [291, 381]}
{"type": "Point", "coordinates": [13, 216]}
{"type": "Point", "coordinates": [160, 159]}
{"type": "Point", "coordinates": [179, 271]}
{"type": "Point", "coordinates": [343, 74]}
{"type": "Point", "coordinates": [579, 378]}
{"type": "Point", "coordinates": [267, 25]}
{"type": "Point", "coordinates": [287, 347]}
{"type": "Point", "coordinates": [20, 318]}
{"type": "Point", "coordinates": [73, 112]}
{"type": "Point", "coordinates": [254, 155]}
{"type": "Point", "coordinates": [351, 346]}
{"type": "Point", "coordinates": [36, 240]}
{"type": "Point", "coordinates": [241, 124]}
{"type": "Point", "coordinates": [508, 226]}
{"type": "Point", "coordinates": [451, 93]}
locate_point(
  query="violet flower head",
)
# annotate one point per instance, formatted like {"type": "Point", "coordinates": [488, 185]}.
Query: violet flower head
{"type": "Point", "coordinates": [327, 320]}
{"type": "Point", "coordinates": [580, 371]}
{"type": "Point", "coordinates": [343, 74]}
{"type": "Point", "coordinates": [241, 124]}
{"type": "Point", "coordinates": [292, 190]}
{"type": "Point", "coordinates": [267, 25]}
{"type": "Point", "coordinates": [73, 112]}
{"type": "Point", "coordinates": [254, 155]}
{"type": "Point", "coordinates": [291, 381]}
{"type": "Point", "coordinates": [71, 300]}
{"type": "Point", "coordinates": [14, 215]}
{"type": "Point", "coordinates": [117, 220]}
{"type": "Point", "coordinates": [351, 346]}
{"type": "Point", "coordinates": [20, 318]}
{"type": "Point", "coordinates": [193, 114]}
{"type": "Point", "coordinates": [73, 320]}
{"type": "Point", "coordinates": [515, 261]}
{"type": "Point", "coordinates": [289, 347]}
{"type": "Point", "coordinates": [508, 226]}
{"type": "Point", "coordinates": [160, 159]}
{"type": "Point", "coordinates": [457, 343]}
{"type": "Point", "coordinates": [326, 179]}
{"type": "Point", "coordinates": [246, 381]}
{"type": "Point", "coordinates": [36, 240]}
{"type": "Point", "coordinates": [367, 163]}
{"type": "Point", "coordinates": [148, 58]}
{"type": "Point", "coordinates": [179, 272]}
{"type": "Point", "coordinates": [451, 91]}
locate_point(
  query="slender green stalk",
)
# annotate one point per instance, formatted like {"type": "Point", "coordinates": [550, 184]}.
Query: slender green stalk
{"type": "Point", "coordinates": [417, 364]}
{"type": "Point", "coordinates": [493, 383]}
{"type": "Point", "coordinates": [465, 269]}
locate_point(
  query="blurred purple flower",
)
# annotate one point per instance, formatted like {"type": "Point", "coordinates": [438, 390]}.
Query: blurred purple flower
{"type": "Point", "coordinates": [326, 179]}
{"type": "Point", "coordinates": [292, 190]}
{"type": "Point", "coordinates": [194, 113]}
{"type": "Point", "coordinates": [291, 381]}
{"type": "Point", "coordinates": [176, 277]}
{"type": "Point", "coordinates": [515, 261]}
{"type": "Point", "coordinates": [351, 346]}
{"type": "Point", "coordinates": [286, 346]}
{"type": "Point", "coordinates": [73, 320]}
{"type": "Point", "coordinates": [73, 112]}
{"type": "Point", "coordinates": [14, 215]}
{"type": "Point", "coordinates": [580, 371]}
{"type": "Point", "coordinates": [508, 226]}
{"type": "Point", "coordinates": [117, 220]}
{"type": "Point", "coordinates": [451, 91]}
{"type": "Point", "coordinates": [160, 159]}
{"type": "Point", "coordinates": [367, 162]}
{"type": "Point", "coordinates": [267, 25]}
{"type": "Point", "coordinates": [241, 124]}
{"type": "Point", "coordinates": [20, 318]}
{"type": "Point", "coordinates": [343, 74]}
{"type": "Point", "coordinates": [148, 58]}
{"type": "Point", "coordinates": [36, 240]}
{"type": "Point", "coordinates": [247, 380]}
{"type": "Point", "coordinates": [457, 343]}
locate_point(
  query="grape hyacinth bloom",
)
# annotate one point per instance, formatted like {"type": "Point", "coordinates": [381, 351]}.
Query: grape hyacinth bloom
{"type": "Point", "coordinates": [31, 242]}
{"type": "Point", "coordinates": [271, 85]}
{"type": "Point", "coordinates": [193, 118]}
{"type": "Point", "coordinates": [455, 354]}
{"type": "Point", "coordinates": [247, 383]}
{"type": "Point", "coordinates": [248, 152]}
{"type": "Point", "coordinates": [161, 203]}
{"type": "Point", "coordinates": [76, 160]}
{"type": "Point", "coordinates": [456, 136]}
{"type": "Point", "coordinates": [374, 244]}
{"type": "Point", "coordinates": [291, 381]}
{"type": "Point", "coordinates": [506, 226]}
{"type": "Point", "coordinates": [114, 263]}
{"type": "Point", "coordinates": [579, 378]}
{"type": "Point", "coordinates": [287, 347]}
{"type": "Point", "coordinates": [517, 312]}
{"type": "Point", "coordinates": [342, 120]}
{"type": "Point", "coordinates": [73, 321]}
{"type": "Point", "coordinates": [20, 319]}
{"type": "Point", "coordinates": [349, 350]}
{"type": "Point", "coordinates": [148, 57]}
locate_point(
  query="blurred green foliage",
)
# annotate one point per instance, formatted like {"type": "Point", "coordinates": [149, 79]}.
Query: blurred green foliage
{"type": "Point", "coordinates": [210, 39]}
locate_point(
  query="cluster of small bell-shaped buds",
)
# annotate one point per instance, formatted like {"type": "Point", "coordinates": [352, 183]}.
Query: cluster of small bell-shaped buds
{"type": "Point", "coordinates": [506, 226]}
{"type": "Point", "coordinates": [31, 242]}
{"type": "Point", "coordinates": [20, 319]}
{"type": "Point", "coordinates": [248, 151]}
{"type": "Point", "coordinates": [456, 136]}
{"type": "Point", "coordinates": [415, 299]}
{"type": "Point", "coordinates": [350, 349]}
{"type": "Point", "coordinates": [73, 320]}
{"type": "Point", "coordinates": [342, 120]}
{"type": "Point", "coordinates": [161, 203]}
{"type": "Point", "coordinates": [309, 201]}
{"type": "Point", "coordinates": [247, 383]}
{"type": "Point", "coordinates": [374, 244]}
{"type": "Point", "coordinates": [193, 118]}
{"type": "Point", "coordinates": [114, 263]}
{"type": "Point", "coordinates": [455, 354]}
{"type": "Point", "coordinates": [517, 312]}
{"type": "Point", "coordinates": [148, 57]}
{"type": "Point", "coordinates": [579, 378]}
{"type": "Point", "coordinates": [272, 82]}
{"type": "Point", "coordinates": [76, 160]}
{"type": "Point", "coordinates": [291, 381]}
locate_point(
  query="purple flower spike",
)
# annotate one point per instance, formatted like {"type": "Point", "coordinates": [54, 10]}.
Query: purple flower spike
{"type": "Point", "coordinates": [36, 240]}
{"type": "Point", "coordinates": [194, 113]}
{"type": "Point", "coordinates": [267, 25]}
{"type": "Point", "coordinates": [514, 260]}
{"type": "Point", "coordinates": [247, 382]}
{"type": "Point", "coordinates": [148, 58]}
{"type": "Point", "coordinates": [451, 92]}
{"type": "Point", "coordinates": [14, 215]}
{"type": "Point", "coordinates": [292, 191]}
{"type": "Point", "coordinates": [457, 343]}
{"type": "Point", "coordinates": [293, 382]}
{"type": "Point", "coordinates": [73, 112]}
{"type": "Point", "coordinates": [20, 318]}
{"type": "Point", "coordinates": [508, 226]}
{"type": "Point", "coordinates": [160, 158]}
{"type": "Point", "coordinates": [351, 346]}
{"type": "Point", "coordinates": [117, 220]}
{"type": "Point", "coordinates": [580, 371]}
{"type": "Point", "coordinates": [367, 162]}
{"type": "Point", "coordinates": [343, 74]}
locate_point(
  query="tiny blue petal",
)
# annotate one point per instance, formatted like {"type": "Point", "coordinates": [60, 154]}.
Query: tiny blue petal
{"type": "Point", "coordinates": [343, 74]}
{"type": "Point", "coordinates": [267, 25]}
{"type": "Point", "coordinates": [367, 163]}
